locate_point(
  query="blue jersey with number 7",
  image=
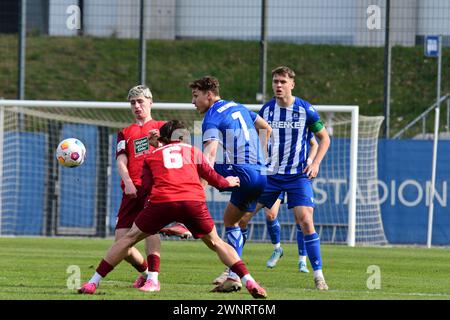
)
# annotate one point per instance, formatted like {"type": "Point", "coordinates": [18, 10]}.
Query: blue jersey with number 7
{"type": "Point", "coordinates": [232, 125]}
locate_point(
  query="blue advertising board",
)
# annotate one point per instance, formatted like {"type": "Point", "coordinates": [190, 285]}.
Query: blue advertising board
{"type": "Point", "coordinates": [404, 173]}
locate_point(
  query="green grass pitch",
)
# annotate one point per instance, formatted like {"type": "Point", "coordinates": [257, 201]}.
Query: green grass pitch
{"type": "Point", "coordinates": [37, 268]}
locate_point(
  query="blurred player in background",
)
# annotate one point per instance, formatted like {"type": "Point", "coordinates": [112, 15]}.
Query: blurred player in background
{"type": "Point", "coordinates": [243, 136]}
{"type": "Point", "coordinates": [132, 148]}
{"type": "Point", "coordinates": [171, 175]}
{"type": "Point", "coordinates": [292, 119]}
{"type": "Point", "coordinates": [273, 225]}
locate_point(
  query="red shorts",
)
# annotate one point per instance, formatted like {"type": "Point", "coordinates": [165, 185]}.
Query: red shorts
{"type": "Point", "coordinates": [130, 208]}
{"type": "Point", "coordinates": [193, 214]}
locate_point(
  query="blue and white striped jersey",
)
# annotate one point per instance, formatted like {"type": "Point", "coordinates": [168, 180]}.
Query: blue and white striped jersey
{"type": "Point", "coordinates": [232, 125]}
{"type": "Point", "coordinates": [289, 142]}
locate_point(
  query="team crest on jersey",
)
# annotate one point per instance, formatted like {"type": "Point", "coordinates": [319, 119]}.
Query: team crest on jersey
{"type": "Point", "coordinates": [295, 115]}
{"type": "Point", "coordinates": [271, 113]}
{"type": "Point", "coordinates": [140, 145]}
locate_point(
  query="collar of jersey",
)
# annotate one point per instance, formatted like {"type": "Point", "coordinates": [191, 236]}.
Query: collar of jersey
{"type": "Point", "coordinates": [219, 103]}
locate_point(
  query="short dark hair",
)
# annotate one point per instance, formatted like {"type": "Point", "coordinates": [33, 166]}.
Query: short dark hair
{"type": "Point", "coordinates": [207, 83]}
{"type": "Point", "coordinates": [284, 71]}
{"type": "Point", "coordinates": [173, 130]}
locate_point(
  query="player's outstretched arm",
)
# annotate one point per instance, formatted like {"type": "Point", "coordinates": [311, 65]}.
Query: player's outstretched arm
{"type": "Point", "coordinates": [233, 181]}
{"type": "Point", "coordinates": [210, 152]}
{"type": "Point", "coordinates": [206, 172]}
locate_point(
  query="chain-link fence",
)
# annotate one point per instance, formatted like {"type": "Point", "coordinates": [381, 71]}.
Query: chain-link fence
{"type": "Point", "coordinates": [89, 50]}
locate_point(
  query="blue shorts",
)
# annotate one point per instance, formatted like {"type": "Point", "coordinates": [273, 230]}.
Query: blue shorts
{"type": "Point", "coordinates": [253, 183]}
{"type": "Point", "coordinates": [298, 188]}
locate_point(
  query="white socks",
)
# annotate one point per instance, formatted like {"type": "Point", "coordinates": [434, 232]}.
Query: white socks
{"type": "Point", "coordinates": [96, 279]}
{"type": "Point", "coordinates": [318, 274]}
{"type": "Point", "coordinates": [246, 278]}
{"type": "Point", "coordinates": [152, 276]}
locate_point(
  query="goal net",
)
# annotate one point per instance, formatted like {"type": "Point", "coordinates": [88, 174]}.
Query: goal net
{"type": "Point", "coordinates": [39, 197]}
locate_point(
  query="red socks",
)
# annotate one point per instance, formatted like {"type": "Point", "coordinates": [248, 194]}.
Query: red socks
{"type": "Point", "coordinates": [239, 268]}
{"type": "Point", "coordinates": [153, 263]}
{"type": "Point", "coordinates": [141, 267]}
{"type": "Point", "coordinates": [104, 268]}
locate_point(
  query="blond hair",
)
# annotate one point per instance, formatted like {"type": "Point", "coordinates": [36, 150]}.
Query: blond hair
{"type": "Point", "coordinates": [140, 90]}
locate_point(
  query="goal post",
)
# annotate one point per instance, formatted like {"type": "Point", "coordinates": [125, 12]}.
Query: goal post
{"type": "Point", "coordinates": [38, 197]}
{"type": "Point", "coordinates": [2, 120]}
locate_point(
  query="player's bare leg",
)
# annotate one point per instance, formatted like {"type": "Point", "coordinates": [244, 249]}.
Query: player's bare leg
{"type": "Point", "coordinates": [243, 222]}
{"type": "Point", "coordinates": [232, 213]}
{"type": "Point", "coordinates": [228, 281]}
{"type": "Point", "coordinates": [134, 258]}
{"type": "Point", "coordinates": [227, 254]}
{"type": "Point", "coordinates": [120, 249]}
{"type": "Point", "coordinates": [304, 215]}
{"type": "Point", "coordinates": [118, 252]}
{"type": "Point", "coordinates": [245, 219]}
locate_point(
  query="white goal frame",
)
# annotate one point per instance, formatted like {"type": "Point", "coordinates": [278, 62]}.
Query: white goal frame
{"type": "Point", "coordinates": [354, 110]}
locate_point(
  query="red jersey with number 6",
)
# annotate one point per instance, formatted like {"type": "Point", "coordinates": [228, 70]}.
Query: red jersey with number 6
{"type": "Point", "coordinates": [133, 142]}
{"type": "Point", "coordinates": [172, 173]}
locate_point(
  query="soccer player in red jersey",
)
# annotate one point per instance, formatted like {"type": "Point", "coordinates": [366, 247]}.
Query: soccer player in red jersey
{"type": "Point", "coordinates": [171, 175]}
{"type": "Point", "coordinates": [132, 148]}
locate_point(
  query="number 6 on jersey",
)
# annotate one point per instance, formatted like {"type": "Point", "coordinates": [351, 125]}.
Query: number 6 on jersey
{"type": "Point", "coordinates": [172, 157]}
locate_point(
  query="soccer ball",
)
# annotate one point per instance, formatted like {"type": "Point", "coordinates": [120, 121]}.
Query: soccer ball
{"type": "Point", "coordinates": [71, 152]}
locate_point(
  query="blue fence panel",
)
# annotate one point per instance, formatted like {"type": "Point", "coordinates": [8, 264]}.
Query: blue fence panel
{"type": "Point", "coordinates": [78, 185]}
{"type": "Point", "coordinates": [405, 174]}
{"type": "Point", "coordinates": [23, 185]}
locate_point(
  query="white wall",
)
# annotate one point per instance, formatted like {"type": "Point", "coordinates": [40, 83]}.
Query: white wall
{"type": "Point", "coordinates": [287, 20]}
{"type": "Point", "coordinates": [101, 17]}
{"type": "Point", "coordinates": [312, 21]}
{"type": "Point", "coordinates": [433, 17]}
{"type": "Point", "coordinates": [218, 19]}
{"type": "Point", "coordinates": [58, 17]}
{"type": "Point", "coordinates": [305, 21]}
{"type": "Point", "coordinates": [116, 18]}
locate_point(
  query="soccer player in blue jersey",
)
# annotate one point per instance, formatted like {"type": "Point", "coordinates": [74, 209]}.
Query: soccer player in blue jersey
{"type": "Point", "coordinates": [273, 225]}
{"type": "Point", "coordinates": [242, 134]}
{"type": "Point", "coordinates": [292, 119]}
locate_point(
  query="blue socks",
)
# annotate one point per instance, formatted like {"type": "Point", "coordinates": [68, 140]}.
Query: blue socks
{"type": "Point", "coordinates": [312, 243]}
{"type": "Point", "coordinates": [300, 242]}
{"type": "Point", "coordinates": [274, 229]}
{"type": "Point", "coordinates": [235, 239]}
